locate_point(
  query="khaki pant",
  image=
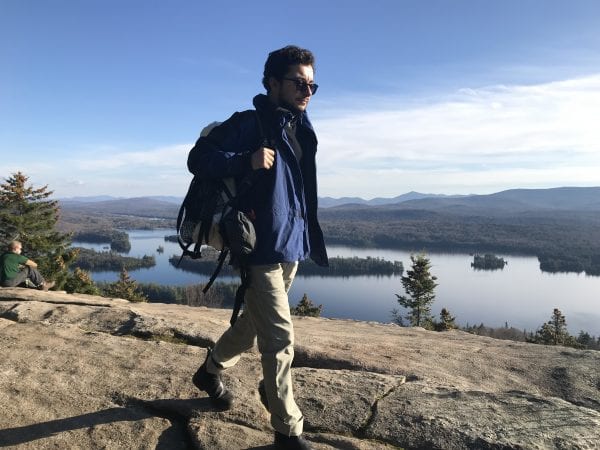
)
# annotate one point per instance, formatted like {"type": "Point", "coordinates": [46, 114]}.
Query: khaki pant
{"type": "Point", "coordinates": [267, 318]}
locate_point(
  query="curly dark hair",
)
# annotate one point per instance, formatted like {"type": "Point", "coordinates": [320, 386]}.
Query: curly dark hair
{"type": "Point", "coordinates": [279, 61]}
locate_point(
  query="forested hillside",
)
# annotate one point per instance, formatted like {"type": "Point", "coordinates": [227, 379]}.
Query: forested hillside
{"type": "Point", "coordinates": [559, 226]}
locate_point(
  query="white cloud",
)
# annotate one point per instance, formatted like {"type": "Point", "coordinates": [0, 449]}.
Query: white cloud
{"type": "Point", "coordinates": [173, 156]}
{"type": "Point", "coordinates": [107, 170]}
{"type": "Point", "coordinates": [159, 171]}
{"type": "Point", "coordinates": [477, 140]}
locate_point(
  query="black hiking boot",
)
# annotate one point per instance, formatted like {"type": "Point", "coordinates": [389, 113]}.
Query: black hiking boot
{"type": "Point", "coordinates": [291, 442]}
{"type": "Point", "coordinates": [220, 397]}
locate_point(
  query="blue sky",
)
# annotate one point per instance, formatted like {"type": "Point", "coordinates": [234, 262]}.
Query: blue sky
{"type": "Point", "coordinates": [107, 97]}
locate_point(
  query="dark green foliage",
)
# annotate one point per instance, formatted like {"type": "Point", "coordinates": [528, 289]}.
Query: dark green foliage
{"type": "Point", "coordinates": [352, 266]}
{"type": "Point", "coordinates": [306, 307]}
{"type": "Point", "coordinates": [27, 215]}
{"type": "Point", "coordinates": [506, 332]}
{"type": "Point", "coordinates": [419, 285]}
{"type": "Point", "coordinates": [79, 281]}
{"type": "Point", "coordinates": [95, 236]}
{"type": "Point", "coordinates": [587, 341]}
{"type": "Point", "coordinates": [554, 332]}
{"type": "Point", "coordinates": [125, 288]}
{"type": "Point", "coordinates": [220, 295]}
{"type": "Point", "coordinates": [100, 261]}
{"type": "Point", "coordinates": [488, 262]}
{"type": "Point", "coordinates": [338, 266]}
{"type": "Point", "coordinates": [446, 321]}
{"type": "Point", "coordinates": [118, 240]}
{"type": "Point", "coordinates": [513, 334]}
{"type": "Point", "coordinates": [161, 293]}
{"type": "Point", "coordinates": [588, 263]}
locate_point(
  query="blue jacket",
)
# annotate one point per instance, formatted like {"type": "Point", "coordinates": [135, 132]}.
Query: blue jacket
{"type": "Point", "coordinates": [283, 199]}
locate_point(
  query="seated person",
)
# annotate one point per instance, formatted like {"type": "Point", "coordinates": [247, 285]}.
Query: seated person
{"type": "Point", "coordinates": [16, 269]}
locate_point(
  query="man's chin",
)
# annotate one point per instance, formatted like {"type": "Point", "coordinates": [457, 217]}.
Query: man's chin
{"type": "Point", "coordinates": [301, 106]}
{"type": "Point", "coordinates": [294, 108]}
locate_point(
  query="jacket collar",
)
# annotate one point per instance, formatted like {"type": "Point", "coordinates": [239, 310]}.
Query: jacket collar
{"type": "Point", "coordinates": [279, 114]}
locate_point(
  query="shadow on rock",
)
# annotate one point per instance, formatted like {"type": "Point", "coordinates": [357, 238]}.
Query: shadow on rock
{"type": "Point", "coordinates": [176, 411]}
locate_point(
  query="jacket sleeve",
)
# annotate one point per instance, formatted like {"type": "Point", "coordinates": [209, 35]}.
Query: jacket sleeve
{"type": "Point", "coordinates": [227, 149]}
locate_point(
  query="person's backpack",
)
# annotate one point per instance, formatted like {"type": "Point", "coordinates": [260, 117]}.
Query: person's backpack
{"type": "Point", "coordinates": [209, 217]}
{"type": "Point", "coordinates": [201, 212]}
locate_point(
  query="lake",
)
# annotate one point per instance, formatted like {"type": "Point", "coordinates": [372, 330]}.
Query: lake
{"type": "Point", "coordinates": [521, 294]}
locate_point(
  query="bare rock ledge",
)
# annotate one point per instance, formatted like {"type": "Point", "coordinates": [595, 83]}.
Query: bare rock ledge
{"type": "Point", "coordinates": [86, 372]}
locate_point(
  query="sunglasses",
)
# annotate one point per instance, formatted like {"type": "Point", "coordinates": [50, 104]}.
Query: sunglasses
{"type": "Point", "coordinates": [303, 86]}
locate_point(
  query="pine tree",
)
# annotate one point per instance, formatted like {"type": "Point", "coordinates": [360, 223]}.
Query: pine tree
{"type": "Point", "coordinates": [80, 281]}
{"type": "Point", "coordinates": [446, 321]}
{"type": "Point", "coordinates": [125, 288]}
{"type": "Point", "coordinates": [419, 285]}
{"type": "Point", "coordinates": [586, 340]}
{"type": "Point", "coordinates": [306, 308]}
{"type": "Point", "coordinates": [554, 332]}
{"type": "Point", "coordinates": [28, 215]}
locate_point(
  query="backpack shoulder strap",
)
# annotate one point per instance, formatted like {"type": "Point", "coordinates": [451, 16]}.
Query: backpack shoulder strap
{"type": "Point", "coordinates": [265, 132]}
{"type": "Point", "coordinates": [265, 140]}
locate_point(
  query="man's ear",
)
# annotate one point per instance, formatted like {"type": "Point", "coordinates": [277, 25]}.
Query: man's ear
{"type": "Point", "coordinates": [274, 84]}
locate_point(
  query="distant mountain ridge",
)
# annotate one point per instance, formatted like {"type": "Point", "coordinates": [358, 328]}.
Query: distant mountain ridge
{"type": "Point", "coordinates": [107, 198]}
{"type": "Point", "coordinates": [504, 202]}
{"type": "Point", "coordinates": [328, 202]}
{"type": "Point", "coordinates": [90, 199]}
{"type": "Point", "coordinates": [324, 202]}
{"type": "Point", "coordinates": [516, 201]}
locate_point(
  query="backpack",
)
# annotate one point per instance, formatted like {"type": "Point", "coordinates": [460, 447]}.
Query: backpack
{"type": "Point", "coordinates": [209, 217]}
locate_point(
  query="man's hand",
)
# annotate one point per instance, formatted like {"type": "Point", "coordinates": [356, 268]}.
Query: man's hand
{"type": "Point", "coordinates": [262, 158]}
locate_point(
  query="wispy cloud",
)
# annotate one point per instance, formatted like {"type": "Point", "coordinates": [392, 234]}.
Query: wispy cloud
{"type": "Point", "coordinates": [482, 139]}
{"type": "Point", "coordinates": [173, 156]}
{"type": "Point", "coordinates": [108, 170]}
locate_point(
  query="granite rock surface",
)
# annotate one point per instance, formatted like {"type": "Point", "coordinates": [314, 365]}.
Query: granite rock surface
{"type": "Point", "coordinates": [81, 371]}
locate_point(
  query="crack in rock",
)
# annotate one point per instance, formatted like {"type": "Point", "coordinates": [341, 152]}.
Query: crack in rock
{"type": "Point", "coordinates": [362, 430]}
{"type": "Point", "coordinates": [56, 302]}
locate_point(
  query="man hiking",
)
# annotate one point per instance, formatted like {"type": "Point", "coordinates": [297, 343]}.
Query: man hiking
{"type": "Point", "coordinates": [16, 269]}
{"type": "Point", "coordinates": [282, 204]}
